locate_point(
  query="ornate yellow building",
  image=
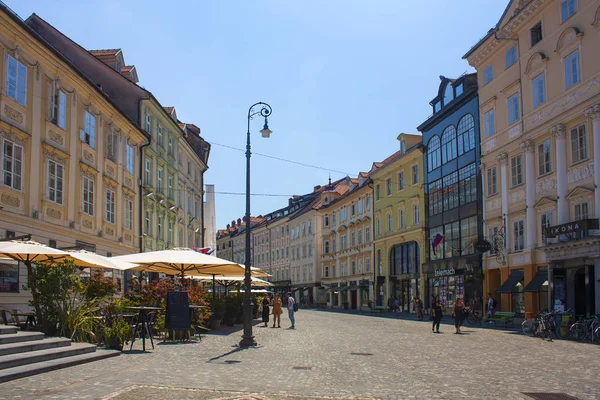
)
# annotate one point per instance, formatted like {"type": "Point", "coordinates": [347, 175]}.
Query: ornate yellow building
{"type": "Point", "coordinates": [69, 156]}
{"type": "Point", "coordinates": [399, 224]}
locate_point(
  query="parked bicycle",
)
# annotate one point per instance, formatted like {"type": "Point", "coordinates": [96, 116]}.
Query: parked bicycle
{"type": "Point", "coordinates": [472, 317]}
{"type": "Point", "coordinates": [587, 329]}
{"type": "Point", "coordinates": [544, 326]}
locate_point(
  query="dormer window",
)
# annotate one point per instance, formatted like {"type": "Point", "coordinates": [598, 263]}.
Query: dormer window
{"type": "Point", "coordinates": [436, 107]}
{"type": "Point", "coordinates": [402, 147]}
{"type": "Point", "coordinates": [448, 94]}
{"type": "Point", "coordinates": [458, 90]}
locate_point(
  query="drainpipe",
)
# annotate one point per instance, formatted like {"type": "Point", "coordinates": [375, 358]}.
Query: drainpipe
{"type": "Point", "coordinates": [141, 212]}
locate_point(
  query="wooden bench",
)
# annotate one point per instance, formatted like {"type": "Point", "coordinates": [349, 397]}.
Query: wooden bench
{"type": "Point", "coordinates": [379, 309]}
{"type": "Point", "coordinates": [506, 317]}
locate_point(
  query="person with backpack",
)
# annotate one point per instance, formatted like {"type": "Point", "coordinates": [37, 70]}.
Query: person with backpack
{"type": "Point", "coordinates": [292, 307]}
{"type": "Point", "coordinates": [490, 306]}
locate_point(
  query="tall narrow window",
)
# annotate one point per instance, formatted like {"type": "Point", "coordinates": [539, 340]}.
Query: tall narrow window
{"type": "Point", "coordinates": [415, 174]}
{"type": "Point", "coordinates": [511, 56]}
{"type": "Point", "coordinates": [159, 181]}
{"type": "Point", "coordinates": [416, 216]}
{"type": "Point", "coordinates": [110, 206]}
{"type": "Point", "coordinates": [148, 172]}
{"type": "Point", "coordinates": [488, 119]}
{"type": "Point", "coordinates": [400, 181]}
{"type": "Point", "coordinates": [377, 192]}
{"type": "Point", "coordinates": [402, 219]}
{"type": "Point", "coordinates": [88, 133]}
{"type": "Point", "coordinates": [492, 183]}
{"type": "Point", "coordinates": [128, 214]}
{"type": "Point", "coordinates": [367, 234]}
{"type": "Point", "coordinates": [567, 8]}
{"type": "Point", "coordinates": [433, 153]}
{"type": "Point", "coordinates": [581, 211]}
{"type": "Point", "coordinates": [57, 105]}
{"type": "Point", "coordinates": [88, 196]}
{"type": "Point", "coordinates": [539, 97]}
{"type": "Point", "coordinates": [16, 80]}
{"type": "Point", "coordinates": [170, 146]}
{"type": "Point", "coordinates": [129, 158]}
{"type": "Point", "coordinates": [571, 69]}
{"type": "Point", "coordinates": [468, 184]}
{"type": "Point", "coordinates": [450, 183]}
{"type": "Point", "coordinates": [388, 185]}
{"type": "Point", "coordinates": [390, 227]}
{"type": "Point", "coordinates": [111, 144]}
{"type": "Point", "coordinates": [466, 134]}
{"type": "Point", "coordinates": [12, 164]}
{"type": "Point", "coordinates": [516, 166]}
{"type": "Point", "coordinates": [160, 136]}
{"type": "Point", "coordinates": [513, 109]}
{"type": "Point", "coordinates": [518, 235]}
{"type": "Point", "coordinates": [55, 182]}
{"type": "Point", "coordinates": [170, 187]}
{"type": "Point", "coordinates": [546, 222]}
{"type": "Point", "coordinates": [487, 75]}
{"type": "Point", "coordinates": [148, 126]}
{"type": "Point", "coordinates": [544, 158]}
{"type": "Point", "coordinates": [578, 144]}
{"type": "Point", "coordinates": [448, 144]}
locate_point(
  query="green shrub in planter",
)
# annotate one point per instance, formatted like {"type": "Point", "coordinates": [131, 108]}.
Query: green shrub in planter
{"type": "Point", "coordinates": [116, 334]}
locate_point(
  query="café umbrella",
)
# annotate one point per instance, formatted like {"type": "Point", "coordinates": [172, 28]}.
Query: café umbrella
{"type": "Point", "coordinates": [182, 262]}
{"type": "Point", "coordinates": [88, 259]}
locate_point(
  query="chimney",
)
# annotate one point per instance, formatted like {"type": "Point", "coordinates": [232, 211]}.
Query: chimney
{"type": "Point", "coordinates": [317, 187]}
{"type": "Point", "coordinates": [240, 221]}
{"type": "Point", "coordinates": [233, 223]}
{"type": "Point", "coordinates": [228, 226]}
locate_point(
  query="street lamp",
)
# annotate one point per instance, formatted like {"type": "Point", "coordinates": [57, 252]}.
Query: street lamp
{"type": "Point", "coordinates": [264, 110]}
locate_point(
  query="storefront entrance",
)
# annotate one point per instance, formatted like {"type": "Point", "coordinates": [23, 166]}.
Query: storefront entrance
{"type": "Point", "coordinates": [405, 290]}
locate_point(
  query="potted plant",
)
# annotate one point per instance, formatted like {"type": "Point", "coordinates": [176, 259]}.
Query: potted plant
{"type": "Point", "coordinates": [116, 333]}
{"type": "Point", "coordinates": [217, 313]}
{"type": "Point", "coordinates": [230, 311]}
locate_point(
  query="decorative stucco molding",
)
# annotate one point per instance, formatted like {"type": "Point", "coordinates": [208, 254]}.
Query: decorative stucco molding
{"type": "Point", "coordinates": [558, 131]}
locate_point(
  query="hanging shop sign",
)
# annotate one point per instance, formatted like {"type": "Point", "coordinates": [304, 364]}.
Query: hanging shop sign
{"type": "Point", "coordinates": [482, 245]}
{"type": "Point", "coordinates": [444, 272]}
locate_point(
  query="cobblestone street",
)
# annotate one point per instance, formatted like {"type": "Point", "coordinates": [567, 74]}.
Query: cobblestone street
{"type": "Point", "coordinates": [333, 355]}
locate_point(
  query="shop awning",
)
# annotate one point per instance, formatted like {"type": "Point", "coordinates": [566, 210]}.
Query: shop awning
{"type": "Point", "coordinates": [540, 279]}
{"type": "Point", "coordinates": [513, 279]}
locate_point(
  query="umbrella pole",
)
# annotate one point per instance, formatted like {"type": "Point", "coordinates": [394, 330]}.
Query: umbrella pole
{"type": "Point", "coordinates": [213, 294]}
{"type": "Point", "coordinates": [33, 287]}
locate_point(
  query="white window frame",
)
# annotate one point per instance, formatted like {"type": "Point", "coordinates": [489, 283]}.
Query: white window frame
{"type": "Point", "coordinates": [572, 76]}
{"type": "Point", "coordinates": [170, 145]}
{"type": "Point", "coordinates": [488, 75]}
{"type": "Point", "coordinates": [416, 214]}
{"type": "Point", "coordinates": [54, 190]}
{"type": "Point", "coordinates": [88, 133]}
{"type": "Point", "coordinates": [546, 221]}
{"type": "Point", "coordinates": [19, 76]}
{"type": "Point", "coordinates": [128, 215]}
{"type": "Point", "coordinates": [148, 121]}
{"type": "Point", "coordinates": [518, 235]}
{"type": "Point", "coordinates": [512, 103]}
{"type": "Point", "coordinates": [489, 123]}
{"type": "Point", "coordinates": [109, 214]}
{"type": "Point", "coordinates": [516, 170]}
{"type": "Point", "coordinates": [400, 181]}
{"type": "Point", "coordinates": [87, 206]}
{"type": "Point", "coordinates": [388, 186]}
{"type": "Point", "coordinates": [390, 226]}
{"type": "Point", "coordinates": [401, 219]}
{"type": "Point", "coordinates": [160, 136]}
{"type": "Point", "coordinates": [538, 90]}
{"type": "Point", "coordinates": [16, 165]}
{"type": "Point", "coordinates": [414, 169]}
{"type": "Point", "coordinates": [581, 210]}
{"type": "Point", "coordinates": [129, 158]}
{"type": "Point", "coordinates": [544, 157]}
{"type": "Point", "coordinates": [492, 181]}
{"type": "Point", "coordinates": [565, 5]}
{"type": "Point", "coordinates": [580, 139]}
{"type": "Point", "coordinates": [111, 148]}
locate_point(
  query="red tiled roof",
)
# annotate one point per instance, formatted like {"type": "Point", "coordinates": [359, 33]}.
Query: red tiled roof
{"type": "Point", "coordinates": [169, 109]}
{"type": "Point", "coordinates": [106, 52]}
{"type": "Point", "coordinates": [181, 125]}
{"type": "Point", "coordinates": [127, 68]}
{"type": "Point", "coordinates": [390, 158]}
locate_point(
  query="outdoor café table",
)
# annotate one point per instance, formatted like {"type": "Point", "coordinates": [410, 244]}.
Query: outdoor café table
{"type": "Point", "coordinates": [30, 318]}
{"type": "Point", "coordinates": [143, 320]}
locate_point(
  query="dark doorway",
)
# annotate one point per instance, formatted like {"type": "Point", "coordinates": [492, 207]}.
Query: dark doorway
{"type": "Point", "coordinates": [579, 292]}
{"type": "Point", "coordinates": [353, 299]}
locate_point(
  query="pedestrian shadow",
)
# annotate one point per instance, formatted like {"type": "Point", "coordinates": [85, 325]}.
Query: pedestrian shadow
{"type": "Point", "coordinates": [225, 354]}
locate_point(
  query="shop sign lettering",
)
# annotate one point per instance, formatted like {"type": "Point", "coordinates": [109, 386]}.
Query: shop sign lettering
{"type": "Point", "coordinates": [444, 272]}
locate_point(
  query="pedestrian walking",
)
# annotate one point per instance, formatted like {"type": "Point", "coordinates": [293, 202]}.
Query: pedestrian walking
{"type": "Point", "coordinates": [436, 309]}
{"type": "Point", "coordinates": [277, 311]}
{"type": "Point", "coordinates": [390, 303]}
{"type": "Point", "coordinates": [458, 312]}
{"type": "Point", "coordinates": [291, 306]}
{"type": "Point", "coordinates": [265, 310]}
{"type": "Point", "coordinates": [396, 305]}
{"type": "Point", "coordinates": [418, 308]}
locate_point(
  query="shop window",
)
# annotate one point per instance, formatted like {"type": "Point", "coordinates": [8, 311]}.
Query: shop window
{"type": "Point", "coordinates": [404, 259]}
{"type": "Point", "coordinates": [9, 276]}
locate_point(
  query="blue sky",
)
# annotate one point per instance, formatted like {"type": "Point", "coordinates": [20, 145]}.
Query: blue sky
{"type": "Point", "coordinates": [344, 77]}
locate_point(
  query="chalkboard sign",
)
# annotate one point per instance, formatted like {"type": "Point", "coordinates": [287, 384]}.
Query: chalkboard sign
{"type": "Point", "coordinates": [178, 311]}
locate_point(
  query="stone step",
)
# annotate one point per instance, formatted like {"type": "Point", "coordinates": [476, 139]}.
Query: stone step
{"type": "Point", "coordinates": [22, 371]}
{"type": "Point", "coordinates": [7, 329]}
{"type": "Point", "coordinates": [22, 347]}
{"type": "Point", "coordinates": [21, 336]}
{"type": "Point", "coordinates": [32, 357]}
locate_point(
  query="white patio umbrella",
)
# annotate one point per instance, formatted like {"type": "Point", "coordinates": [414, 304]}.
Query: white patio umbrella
{"type": "Point", "coordinates": [181, 261]}
{"type": "Point", "coordinates": [88, 259]}
{"type": "Point", "coordinates": [255, 281]}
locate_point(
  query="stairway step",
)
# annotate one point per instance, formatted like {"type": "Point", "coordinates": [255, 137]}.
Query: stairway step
{"type": "Point", "coordinates": [14, 360]}
{"type": "Point", "coordinates": [22, 336]}
{"type": "Point", "coordinates": [7, 329]}
{"type": "Point", "coordinates": [22, 371]}
{"type": "Point", "coordinates": [23, 347]}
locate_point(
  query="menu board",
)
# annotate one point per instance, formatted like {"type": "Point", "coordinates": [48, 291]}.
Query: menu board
{"type": "Point", "coordinates": [178, 311]}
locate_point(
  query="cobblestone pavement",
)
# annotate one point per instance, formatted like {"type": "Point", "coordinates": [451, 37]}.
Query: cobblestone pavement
{"type": "Point", "coordinates": [397, 359]}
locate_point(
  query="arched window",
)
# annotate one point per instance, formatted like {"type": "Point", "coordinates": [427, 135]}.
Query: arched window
{"type": "Point", "coordinates": [466, 134]}
{"type": "Point", "coordinates": [433, 153]}
{"type": "Point", "coordinates": [448, 144]}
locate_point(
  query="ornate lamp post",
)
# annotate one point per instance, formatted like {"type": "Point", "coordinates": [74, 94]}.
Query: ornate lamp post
{"type": "Point", "coordinates": [264, 110]}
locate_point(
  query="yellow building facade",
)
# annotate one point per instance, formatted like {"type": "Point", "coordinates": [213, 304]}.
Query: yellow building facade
{"type": "Point", "coordinates": [69, 157]}
{"type": "Point", "coordinates": [399, 224]}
